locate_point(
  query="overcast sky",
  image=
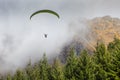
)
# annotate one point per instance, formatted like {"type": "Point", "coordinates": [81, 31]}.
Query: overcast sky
{"type": "Point", "coordinates": [86, 8]}
{"type": "Point", "coordinates": [22, 38]}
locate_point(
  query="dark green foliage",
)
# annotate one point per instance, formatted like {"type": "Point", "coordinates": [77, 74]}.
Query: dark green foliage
{"type": "Point", "coordinates": [9, 77]}
{"type": "Point", "coordinates": [44, 67]}
{"type": "Point", "coordinates": [100, 60]}
{"type": "Point", "coordinates": [104, 64]}
{"type": "Point", "coordinates": [29, 71]}
{"type": "Point", "coordinates": [84, 67]}
{"type": "Point", "coordinates": [70, 67]}
{"type": "Point", "coordinates": [114, 49]}
{"type": "Point", "coordinates": [20, 75]}
{"type": "Point", "coordinates": [56, 71]}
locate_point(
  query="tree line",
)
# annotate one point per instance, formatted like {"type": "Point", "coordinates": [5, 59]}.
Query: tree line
{"type": "Point", "coordinates": [103, 64]}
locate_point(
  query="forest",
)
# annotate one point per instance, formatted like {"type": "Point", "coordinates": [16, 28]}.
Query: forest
{"type": "Point", "coordinates": [102, 64]}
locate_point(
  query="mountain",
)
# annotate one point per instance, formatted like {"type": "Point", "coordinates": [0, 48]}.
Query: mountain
{"type": "Point", "coordinates": [101, 29]}
{"type": "Point", "coordinates": [105, 28]}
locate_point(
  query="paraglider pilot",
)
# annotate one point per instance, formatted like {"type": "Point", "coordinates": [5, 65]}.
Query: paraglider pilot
{"type": "Point", "coordinates": [45, 35]}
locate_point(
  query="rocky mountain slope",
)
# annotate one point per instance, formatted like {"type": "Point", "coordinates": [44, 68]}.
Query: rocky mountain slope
{"type": "Point", "coordinates": [102, 29]}
{"type": "Point", "coordinates": [105, 28]}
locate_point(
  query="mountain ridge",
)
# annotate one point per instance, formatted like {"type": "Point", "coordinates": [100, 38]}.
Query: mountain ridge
{"type": "Point", "coordinates": [102, 30]}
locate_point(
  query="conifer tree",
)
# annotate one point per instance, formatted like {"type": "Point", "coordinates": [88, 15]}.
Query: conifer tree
{"type": "Point", "coordinates": [85, 67]}
{"type": "Point", "coordinates": [44, 66]}
{"type": "Point", "coordinates": [57, 70]}
{"type": "Point", "coordinates": [29, 71]}
{"type": "Point", "coordinates": [36, 72]}
{"type": "Point", "coordinates": [114, 49]}
{"type": "Point", "coordinates": [70, 67]}
{"type": "Point", "coordinates": [102, 59]}
{"type": "Point", "coordinates": [9, 77]}
{"type": "Point", "coordinates": [19, 75]}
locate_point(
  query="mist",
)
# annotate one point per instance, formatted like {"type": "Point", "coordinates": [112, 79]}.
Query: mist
{"type": "Point", "coordinates": [22, 39]}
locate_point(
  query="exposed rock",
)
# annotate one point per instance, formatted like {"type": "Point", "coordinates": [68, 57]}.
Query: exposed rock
{"type": "Point", "coordinates": [103, 29]}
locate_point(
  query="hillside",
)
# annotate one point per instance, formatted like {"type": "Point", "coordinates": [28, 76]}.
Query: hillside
{"type": "Point", "coordinates": [102, 30]}
{"type": "Point", "coordinates": [105, 28]}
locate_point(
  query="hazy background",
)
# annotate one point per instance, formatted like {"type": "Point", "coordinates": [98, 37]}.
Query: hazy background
{"type": "Point", "coordinates": [22, 39]}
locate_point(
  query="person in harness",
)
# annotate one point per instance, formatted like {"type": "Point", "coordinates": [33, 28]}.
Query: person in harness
{"type": "Point", "coordinates": [45, 35]}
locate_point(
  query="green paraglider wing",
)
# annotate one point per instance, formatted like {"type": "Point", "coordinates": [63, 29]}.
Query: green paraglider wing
{"type": "Point", "coordinates": [45, 11]}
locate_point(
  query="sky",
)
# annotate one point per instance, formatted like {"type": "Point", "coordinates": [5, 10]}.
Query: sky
{"type": "Point", "coordinates": [23, 39]}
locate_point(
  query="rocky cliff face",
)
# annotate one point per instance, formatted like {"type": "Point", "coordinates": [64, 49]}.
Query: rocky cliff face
{"type": "Point", "coordinates": [102, 29]}
{"type": "Point", "coordinates": [105, 29]}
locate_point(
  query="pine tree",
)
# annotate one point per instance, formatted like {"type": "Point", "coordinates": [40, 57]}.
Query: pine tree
{"type": "Point", "coordinates": [35, 72]}
{"type": "Point", "coordinates": [70, 67]}
{"type": "Point", "coordinates": [102, 59]}
{"type": "Point", "coordinates": [84, 67]}
{"type": "Point", "coordinates": [57, 70]}
{"type": "Point", "coordinates": [29, 71]}
{"type": "Point", "coordinates": [19, 75]}
{"type": "Point", "coordinates": [44, 68]}
{"type": "Point", "coordinates": [9, 77]}
{"type": "Point", "coordinates": [114, 49]}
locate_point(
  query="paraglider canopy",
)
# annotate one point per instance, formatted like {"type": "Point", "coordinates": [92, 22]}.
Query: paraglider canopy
{"type": "Point", "coordinates": [45, 11]}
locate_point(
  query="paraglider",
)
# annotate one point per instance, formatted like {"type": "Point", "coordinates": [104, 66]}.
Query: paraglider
{"type": "Point", "coordinates": [45, 11]}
